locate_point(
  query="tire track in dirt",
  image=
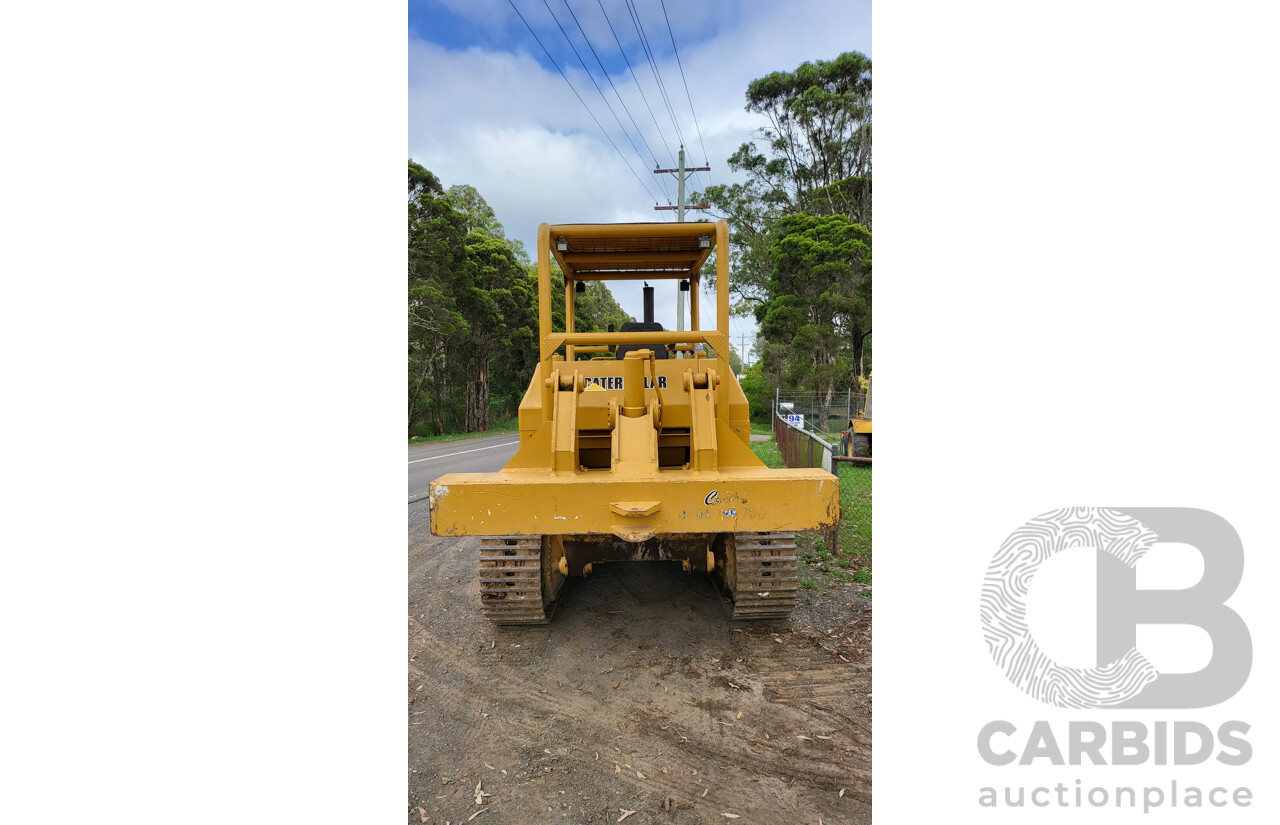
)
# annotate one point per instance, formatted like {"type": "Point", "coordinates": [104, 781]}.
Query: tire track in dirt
{"type": "Point", "coordinates": [639, 658]}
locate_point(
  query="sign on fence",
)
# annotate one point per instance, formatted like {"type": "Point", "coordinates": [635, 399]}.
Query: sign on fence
{"type": "Point", "coordinates": [795, 419]}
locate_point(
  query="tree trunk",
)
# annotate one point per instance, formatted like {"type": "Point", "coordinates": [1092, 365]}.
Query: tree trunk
{"type": "Point", "coordinates": [424, 369]}
{"type": "Point", "coordinates": [478, 395]}
{"type": "Point", "coordinates": [859, 350]}
{"type": "Point", "coordinates": [437, 414]}
{"type": "Point", "coordinates": [469, 412]}
{"type": "Point", "coordinates": [482, 395]}
{"type": "Point", "coordinates": [824, 406]}
{"type": "Point", "coordinates": [416, 393]}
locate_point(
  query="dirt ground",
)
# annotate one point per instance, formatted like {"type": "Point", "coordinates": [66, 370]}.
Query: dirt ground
{"type": "Point", "coordinates": [640, 696]}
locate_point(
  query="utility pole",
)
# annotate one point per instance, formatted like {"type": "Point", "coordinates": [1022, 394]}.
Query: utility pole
{"type": "Point", "coordinates": [682, 174]}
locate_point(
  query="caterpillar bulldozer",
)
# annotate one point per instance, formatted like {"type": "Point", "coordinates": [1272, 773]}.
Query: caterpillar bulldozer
{"type": "Point", "coordinates": [634, 446]}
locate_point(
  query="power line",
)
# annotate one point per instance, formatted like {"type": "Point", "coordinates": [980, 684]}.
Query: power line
{"type": "Point", "coordinates": [592, 78]}
{"type": "Point", "coordinates": [605, 72]}
{"type": "Point", "coordinates": [653, 67]}
{"type": "Point", "coordinates": [639, 88]}
{"type": "Point", "coordinates": [705, 156]}
{"type": "Point", "coordinates": [625, 162]}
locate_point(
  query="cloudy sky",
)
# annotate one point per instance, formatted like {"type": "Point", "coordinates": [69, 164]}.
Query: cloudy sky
{"type": "Point", "coordinates": [488, 108]}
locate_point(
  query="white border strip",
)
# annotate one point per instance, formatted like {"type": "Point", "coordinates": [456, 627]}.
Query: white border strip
{"type": "Point", "coordinates": [461, 452]}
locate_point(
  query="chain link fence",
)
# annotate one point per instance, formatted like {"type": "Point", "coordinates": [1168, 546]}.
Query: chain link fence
{"type": "Point", "coordinates": [801, 448]}
{"type": "Point", "coordinates": [806, 409]}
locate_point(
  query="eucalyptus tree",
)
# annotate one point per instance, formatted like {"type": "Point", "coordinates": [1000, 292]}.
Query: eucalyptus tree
{"type": "Point", "coordinates": [473, 309]}
{"type": "Point", "coordinates": [820, 128]}
{"type": "Point", "coordinates": [818, 315]}
{"type": "Point", "coordinates": [498, 300]}
{"type": "Point", "coordinates": [816, 159]}
{"type": "Point", "coordinates": [481, 219]}
{"type": "Point", "coordinates": [436, 250]}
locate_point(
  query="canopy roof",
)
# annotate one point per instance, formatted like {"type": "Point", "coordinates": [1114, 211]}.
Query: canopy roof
{"type": "Point", "coordinates": [632, 251]}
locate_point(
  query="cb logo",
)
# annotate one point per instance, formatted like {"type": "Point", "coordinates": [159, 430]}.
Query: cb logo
{"type": "Point", "coordinates": [1124, 677]}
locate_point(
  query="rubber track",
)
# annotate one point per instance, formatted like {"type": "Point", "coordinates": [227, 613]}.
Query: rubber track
{"type": "Point", "coordinates": [767, 578]}
{"type": "Point", "coordinates": [511, 580]}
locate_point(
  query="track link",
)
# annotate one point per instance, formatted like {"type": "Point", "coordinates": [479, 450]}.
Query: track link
{"type": "Point", "coordinates": [764, 578]}
{"type": "Point", "coordinates": [514, 577]}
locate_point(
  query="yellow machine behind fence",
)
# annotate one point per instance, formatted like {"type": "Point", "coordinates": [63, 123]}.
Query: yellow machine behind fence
{"type": "Point", "coordinates": [855, 442]}
{"type": "Point", "coordinates": [630, 454]}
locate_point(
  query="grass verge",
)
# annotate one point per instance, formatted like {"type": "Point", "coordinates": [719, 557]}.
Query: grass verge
{"type": "Point", "coordinates": [509, 426]}
{"type": "Point", "coordinates": [849, 564]}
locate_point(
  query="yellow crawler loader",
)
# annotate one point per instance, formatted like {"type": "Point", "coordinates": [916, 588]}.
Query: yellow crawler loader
{"type": "Point", "coordinates": [634, 446]}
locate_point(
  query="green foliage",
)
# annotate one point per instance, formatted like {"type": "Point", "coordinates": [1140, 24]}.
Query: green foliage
{"type": "Point", "coordinates": [817, 159]}
{"type": "Point", "coordinates": [481, 219]}
{"type": "Point", "coordinates": [759, 396]}
{"type": "Point", "coordinates": [820, 133]}
{"type": "Point", "coordinates": [596, 308]}
{"type": "Point", "coordinates": [473, 311]}
{"type": "Point", "coordinates": [470, 301]}
{"type": "Point", "coordinates": [800, 225]}
{"type": "Point", "coordinates": [437, 249]}
{"type": "Point", "coordinates": [735, 360]}
{"type": "Point", "coordinates": [499, 300]}
{"type": "Point", "coordinates": [819, 308]}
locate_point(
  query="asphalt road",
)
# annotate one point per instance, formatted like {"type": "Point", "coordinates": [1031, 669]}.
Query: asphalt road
{"type": "Point", "coordinates": [427, 462]}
